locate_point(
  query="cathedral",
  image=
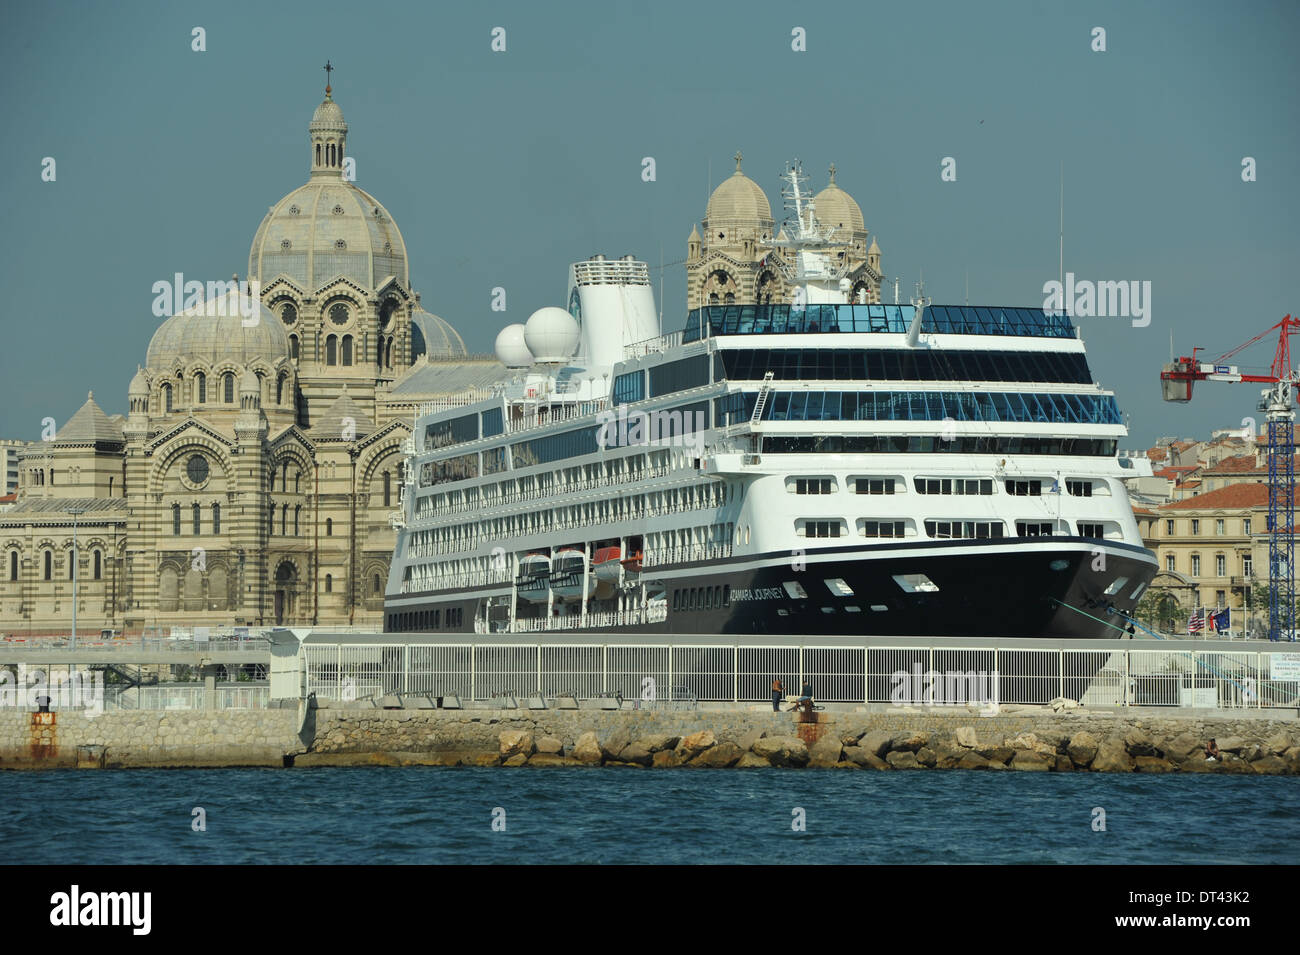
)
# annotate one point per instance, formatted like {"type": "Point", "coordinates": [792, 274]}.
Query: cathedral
{"type": "Point", "coordinates": [252, 479]}
{"type": "Point", "coordinates": [730, 263]}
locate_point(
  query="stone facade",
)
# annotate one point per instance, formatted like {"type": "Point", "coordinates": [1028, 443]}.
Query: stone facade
{"type": "Point", "coordinates": [252, 480]}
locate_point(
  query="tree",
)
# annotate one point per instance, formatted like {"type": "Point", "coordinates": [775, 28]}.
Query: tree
{"type": "Point", "coordinates": [1159, 609]}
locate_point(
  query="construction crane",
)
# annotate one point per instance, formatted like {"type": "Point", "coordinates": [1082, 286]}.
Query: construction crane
{"type": "Point", "coordinates": [1278, 403]}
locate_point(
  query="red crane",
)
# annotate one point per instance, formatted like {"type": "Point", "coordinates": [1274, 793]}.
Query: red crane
{"type": "Point", "coordinates": [1176, 380]}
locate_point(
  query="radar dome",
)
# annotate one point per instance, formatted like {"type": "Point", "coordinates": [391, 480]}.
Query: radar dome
{"type": "Point", "coordinates": [552, 335]}
{"type": "Point", "coordinates": [511, 349]}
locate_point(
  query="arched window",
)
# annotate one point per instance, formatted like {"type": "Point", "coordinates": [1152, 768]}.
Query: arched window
{"type": "Point", "coordinates": [297, 478]}
{"type": "Point", "coordinates": [176, 520]}
{"type": "Point", "coordinates": [216, 518]}
{"type": "Point", "coordinates": [72, 564]}
{"type": "Point", "coordinates": [270, 519]}
{"type": "Point", "coordinates": [201, 387]}
{"type": "Point", "coordinates": [167, 397]}
{"type": "Point", "coordinates": [228, 388]}
{"type": "Point", "coordinates": [279, 390]}
{"type": "Point", "coordinates": [377, 585]}
{"type": "Point", "coordinates": [284, 476]}
{"type": "Point", "coordinates": [271, 485]}
{"type": "Point", "coordinates": [284, 518]}
{"type": "Point", "coordinates": [332, 350]}
{"type": "Point", "coordinates": [347, 349]}
{"type": "Point", "coordinates": [13, 565]}
{"type": "Point", "coordinates": [51, 477]}
{"type": "Point", "coordinates": [293, 347]}
{"type": "Point", "coordinates": [195, 514]}
{"type": "Point", "coordinates": [388, 489]}
{"type": "Point", "coordinates": [329, 584]}
{"type": "Point", "coordinates": [49, 564]}
{"type": "Point", "coordinates": [99, 566]}
{"type": "Point", "coordinates": [329, 527]}
{"type": "Point", "coordinates": [297, 511]}
{"type": "Point", "coordinates": [318, 154]}
{"type": "Point", "coordinates": [388, 349]}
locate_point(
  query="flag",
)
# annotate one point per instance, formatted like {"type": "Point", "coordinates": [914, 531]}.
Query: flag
{"type": "Point", "coordinates": [1223, 619]}
{"type": "Point", "coordinates": [1196, 622]}
{"type": "Point", "coordinates": [1055, 488]}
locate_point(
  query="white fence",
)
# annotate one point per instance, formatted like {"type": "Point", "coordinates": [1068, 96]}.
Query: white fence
{"type": "Point", "coordinates": [735, 673]}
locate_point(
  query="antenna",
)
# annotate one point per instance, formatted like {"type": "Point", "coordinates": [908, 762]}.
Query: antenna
{"type": "Point", "coordinates": [968, 286]}
{"type": "Point", "coordinates": [896, 300]}
{"type": "Point", "coordinates": [1061, 264]}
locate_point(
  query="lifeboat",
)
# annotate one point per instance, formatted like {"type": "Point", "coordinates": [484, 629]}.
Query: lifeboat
{"type": "Point", "coordinates": [534, 578]}
{"type": "Point", "coordinates": [605, 564]}
{"type": "Point", "coordinates": [568, 575]}
{"type": "Point", "coordinates": [632, 562]}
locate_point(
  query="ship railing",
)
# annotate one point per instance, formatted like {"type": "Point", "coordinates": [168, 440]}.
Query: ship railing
{"type": "Point", "coordinates": [652, 346]}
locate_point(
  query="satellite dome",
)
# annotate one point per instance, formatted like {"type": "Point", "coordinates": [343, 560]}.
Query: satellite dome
{"type": "Point", "coordinates": [551, 334]}
{"type": "Point", "coordinates": [511, 349]}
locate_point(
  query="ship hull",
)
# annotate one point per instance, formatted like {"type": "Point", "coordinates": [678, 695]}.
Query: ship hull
{"type": "Point", "coordinates": [966, 589]}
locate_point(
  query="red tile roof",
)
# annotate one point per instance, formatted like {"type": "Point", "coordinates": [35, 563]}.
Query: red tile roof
{"type": "Point", "coordinates": [1234, 495]}
{"type": "Point", "coordinates": [1240, 464]}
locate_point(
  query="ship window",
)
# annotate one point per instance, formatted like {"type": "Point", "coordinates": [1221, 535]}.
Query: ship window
{"type": "Point", "coordinates": [1087, 529]}
{"type": "Point", "coordinates": [679, 375]}
{"type": "Point", "coordinates": [1116, 585]}
{"type": "Point", "coordinates": [1025, 488]}
{"type": "Point", "coordinates": [1034, 528]}
{"type": "Point", "coordinates": [838, 587]}
{"type": "Point", "coordinates": [677, 597]}
{"type": "Point", "coordinates": [492, 423]}
{"type": "Point", "coordinates": [812, 486]}
{"type": "Point", "coordinates": [882, 528]}
{"type": "Point", "coordinates": [795, 590]}
{"type": "Point", "coordinates": [1079, 488]}
{"type": "Point", "coordinates": [963, 530]}
{"type": "Point", "coordinates": [874, 486]}
{"type": "Point", "coordinates": [726, 595]}
{"type": "Point", "coordinates": [629, 387]}
{"type": "Point", "coordinates": [1137, 591]}
{"type": "Point", "coordinates": [914, 583]}
{"type": "Point", "coordinates": [814, 528]}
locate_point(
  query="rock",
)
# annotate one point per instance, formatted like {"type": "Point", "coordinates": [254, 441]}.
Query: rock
{"type": "Point", "coordinates": [875, 762]}
{"type": "Point", "coordinates": [693, 744]}
{"type": "Point", "coordinates": [549, 746]}
{"type": "Point", "coordinates": [1231, 744]}
{"type": "Point", "coordinates": [518, 759]}
{"type": "Point", "coordinates": [479, 759]}
{"type": "Point", "coordinates": [825, 752]}
{"type": "Point", "coordinates": [927, 757]}
{"type": "Point", "coordinates": [1277, 744]}
{"type": "Point", "coordinates": [516, 742]}
{"type": "Point", "coordinates": [1063, 703]}
{"type": "Point", "coordinates": [947, 755]}
{"type": "Point", "coordinates": [857, 755]}
{"type": "Point", "coordinates": [783, 750]}
{"type": "Point", "coordinates": [624, 765]}
{"type": "Point", "coordinates": [1138, 743]}
{"type": "Point", "coordinates": [551, 759]}
{"type": "Point", "coordinates": [1112, 756]}
{"type": "Point", "coordinates": [721, 756]}
{"type": "Point", "coordinates": [973, 760]}
{"type": "Point", "coordinates": [665, 759]}
{"type": "Point", "coordinates": [747, 741]}
{"type": "Point", "coordinates": [654, 742]}
{"type": "Point", "coordinates": [1082, 748]}
{"type": "Point", "coordinates": [997, 754]}
{"type": "Point", "coordinates": [876, 743]}
{"type": "Point", "coordinates": [1270, 765]}
{"type": "Point", "coordinates": [966, 737]}
{"type": "Point", "coordinates": [1063, 764]}
{"type": "Point", "coordinates": [910, 742]}
{"type": "Point", "coordinates": [1251, 752]}
{"type": "Point", "coordinates": [636, 752]}
{"type": "Point", "coordinates": [1029, 761]}
{"type": "Point", "coordinates": [616, 742]}
{"type": "Point", "coordinates": [903, 759]}
{"type": "Point", "coordinates": [1183, 746]}
{"type": "Point", "coordinates": [587, 748]}
{"type": "Point", "coordinates": [1152, 764]}
{"type": "Point", "coordinates": [1292, 757]}
{"type": "Point", "coordinates": [752, 761]}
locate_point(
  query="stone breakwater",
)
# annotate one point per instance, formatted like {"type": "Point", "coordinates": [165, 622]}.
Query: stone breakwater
{"type": "Point", "coordinates": [1030, 741]}
{"type": "Point", "coordinates": [1042, 742]}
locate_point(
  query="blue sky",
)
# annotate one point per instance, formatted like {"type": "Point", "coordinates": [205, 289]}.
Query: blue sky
{"type": "Point", "coordinates": [501, 168]}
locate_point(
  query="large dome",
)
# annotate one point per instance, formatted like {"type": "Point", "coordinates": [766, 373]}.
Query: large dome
{"type": "Point", "coordinates": [738, 198]}
{"type": "Point", "coordinates": [215, 332]}
{"type": "Point", "coordinates": [838, 209]}
{"type": "Point", "coordinates": [434, 337]}
{"type": "Point", "coordinates": [328, 227]}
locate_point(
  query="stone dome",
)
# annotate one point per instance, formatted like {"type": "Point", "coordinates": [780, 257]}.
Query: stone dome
{"type": "Point", "coordinates": [328, 227]}
{"type": "Point", "coordinates": [838, 209]}
{"type": "Point", "coordinates": [215, 332]}
{"type": "Point", "coordinates": [433, 337]}
{"type": "Point", "coordinates": [738, 198]}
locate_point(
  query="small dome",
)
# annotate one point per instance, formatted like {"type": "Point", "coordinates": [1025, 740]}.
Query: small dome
{"type": "Point", "coordinates": [739, 198]}
{"type": "Point", "coordinates": [139, 387]}
{"type": "Point", "coordinates": [250, 384]}
{"type": "Point", "coordinates": [89, 426]}
{"type": "Point", "coordinates": [214, 332]}
{"type": "Point", "coordinates": [343, 420]}
{"type": "Point", "coordinates": [328, 117]}
{"type": "Point", "coordinates": [551, 334]}
{"type": "Point", "coordinates": [435, 338]}
{"type": "Point", "coordinates": [511, 349]}
{"type": "Point", "coordinates": [838, 209]}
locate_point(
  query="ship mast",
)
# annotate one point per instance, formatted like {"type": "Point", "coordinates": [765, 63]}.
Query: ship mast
{"type": "Point", "coordinates": [814, 273]}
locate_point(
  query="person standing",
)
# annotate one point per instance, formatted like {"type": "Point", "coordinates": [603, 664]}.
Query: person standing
{"type": "Point", "coordinates": [778, 694]}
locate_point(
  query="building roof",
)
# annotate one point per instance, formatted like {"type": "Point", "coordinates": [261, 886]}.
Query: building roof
{"type": "Point", "coordinates": [436, 337]}
{"type": "Point", "coordinates": [61, 505]}
{"type": "Point", "coordinates": [838, 209]}
{"type": "Point", "coordinates": [1239, 464]}
{"type": "Point", "coordinates": [1157, 454]}
{"type": "Point", "coordinates": [343, 413]}
{"type": "Point", "coordinates": [89, 425]}
{"type": "Point", "coordinates": [450, 377]}
{"type": "Point", "coordinates": [739, 198]}
{"type": "Point", "coordinates": [215, 331]}
{"type": "Point", "coordinates": [1234, 495]}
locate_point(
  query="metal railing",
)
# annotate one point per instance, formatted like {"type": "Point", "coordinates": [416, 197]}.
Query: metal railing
{"type": "Point", "coordinates": [742, 674]}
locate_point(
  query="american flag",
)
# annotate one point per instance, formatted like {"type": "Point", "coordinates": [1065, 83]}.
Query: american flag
{"type": "Point", "coordinates": [1196, 622]}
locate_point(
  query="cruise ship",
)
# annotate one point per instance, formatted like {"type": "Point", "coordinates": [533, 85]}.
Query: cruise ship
{"type": "Point", "coordinates": [822, 467]}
